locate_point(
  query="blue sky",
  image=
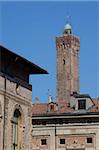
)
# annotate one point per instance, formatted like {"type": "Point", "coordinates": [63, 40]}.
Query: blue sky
{"type": "Point", "coordinates": [30, 29]}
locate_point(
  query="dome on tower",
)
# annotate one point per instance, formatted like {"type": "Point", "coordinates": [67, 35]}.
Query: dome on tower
{"type": "Point", "coordinates": [67, 27]}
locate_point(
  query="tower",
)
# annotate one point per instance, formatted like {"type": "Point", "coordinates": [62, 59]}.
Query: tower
{"type": "Point", "coordinates": [67, 63]}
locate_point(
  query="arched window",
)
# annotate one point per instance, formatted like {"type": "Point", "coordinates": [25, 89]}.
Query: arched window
{"type": "Point", "coordinates": [16, 126]}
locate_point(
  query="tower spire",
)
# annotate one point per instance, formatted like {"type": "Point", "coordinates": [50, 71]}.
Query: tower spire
{"type": "Point", "coordinates": [68, 17]}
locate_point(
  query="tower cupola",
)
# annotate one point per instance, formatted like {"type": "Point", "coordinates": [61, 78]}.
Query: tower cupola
{"type": "Point", "coordinates": [67, 29]}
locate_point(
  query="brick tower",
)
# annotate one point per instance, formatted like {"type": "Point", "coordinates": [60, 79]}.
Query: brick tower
{"type": "Point", "coordinates": [67, 60]}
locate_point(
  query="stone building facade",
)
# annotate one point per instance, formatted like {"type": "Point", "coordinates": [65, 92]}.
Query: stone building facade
{"type": "Point", "coordinates": [67, 130]}
{"type": "Point", "coordinates": [15, 116]}
{"type": "Point", "coordinates": [15, 100]}
{"type": "Point", "coordinates": [70, 123]}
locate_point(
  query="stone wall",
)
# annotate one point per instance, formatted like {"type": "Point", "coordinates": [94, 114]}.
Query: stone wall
{"type": "Point", "coordinates": [75, 136]}
{"type": "Point", "coordinates": [11, 98]}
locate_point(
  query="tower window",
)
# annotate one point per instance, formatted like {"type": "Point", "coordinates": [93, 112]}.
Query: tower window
{"type": "Point", "coordinates": [62, 141]}
{"type": "Point", "coordinates": [82, 104]}
{"type": "Point", "coordinates": [89, 140]}
{"type": "Point", "coordinates": [43, 142]}
{"type": "Point", "coordinates": [64, 61]}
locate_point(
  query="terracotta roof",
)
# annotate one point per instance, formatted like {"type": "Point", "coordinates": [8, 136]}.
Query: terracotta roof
{"type": "Point", "coordinates": [60, 108]}
{"type": "Point", "coordinates": [39, 108]}
{"type": "Point", "coordinates": [64, 107]}
{"type": "Point", "coordinates": [95, 107]}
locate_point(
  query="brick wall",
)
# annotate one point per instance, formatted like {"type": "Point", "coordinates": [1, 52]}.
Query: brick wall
{"type": "Point", "coordinates": [67, 60]}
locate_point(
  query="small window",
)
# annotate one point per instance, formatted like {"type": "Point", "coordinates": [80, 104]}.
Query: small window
{"type": "Point", "coordinates": [43, 142]}
{"type": "Point", "coordinates": [62, 141]}
{"type": "Point", "coordinates": [82, 104]}
{"type": "Point", "coordinates": [63, 61]}
{"type": "Point", "coordinates": [89, 140]}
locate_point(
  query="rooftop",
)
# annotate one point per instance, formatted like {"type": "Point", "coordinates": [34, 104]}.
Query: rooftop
{"type": "Point", "coordinates": [16, 67]}
{"type": "Point", "coordinates": [62, 108]}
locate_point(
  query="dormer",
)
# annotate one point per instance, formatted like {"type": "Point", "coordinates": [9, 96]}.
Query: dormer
{"type": "Point", "coordinates": [81, 102]}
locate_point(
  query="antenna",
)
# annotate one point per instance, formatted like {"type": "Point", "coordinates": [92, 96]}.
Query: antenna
{"type": "Point", "coordinates": [37, 100]}
{"type": "Point", "coordinates": [48, 93]}
{"type": "Point", "coordinates": [68, 18]}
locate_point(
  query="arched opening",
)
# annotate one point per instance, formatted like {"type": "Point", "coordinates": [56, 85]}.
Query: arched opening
{"type": "Point", "coordinates": [16, 130]}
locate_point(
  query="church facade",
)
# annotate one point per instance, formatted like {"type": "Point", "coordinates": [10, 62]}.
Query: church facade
{"type": "Point", "coordinates": [70, 123]}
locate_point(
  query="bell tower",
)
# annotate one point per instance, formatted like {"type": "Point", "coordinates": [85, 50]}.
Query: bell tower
{"type": "Point", "coordinates": [67, 63]}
